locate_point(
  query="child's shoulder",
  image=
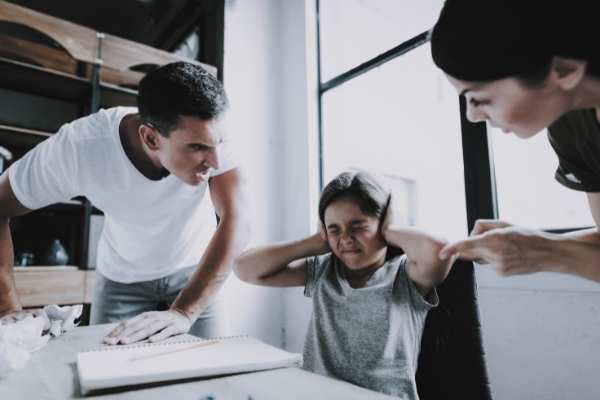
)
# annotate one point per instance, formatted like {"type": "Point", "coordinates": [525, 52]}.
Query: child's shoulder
{"type": "Point", "coordinates": [398, 262]}
{"type": "Point", "coordinates": [316, 268]}
{"type": "Point", "coordinates": [319, 263]}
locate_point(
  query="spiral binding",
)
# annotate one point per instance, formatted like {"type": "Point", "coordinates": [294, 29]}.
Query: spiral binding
{"type": "Point", "coordinates": [156, 344]}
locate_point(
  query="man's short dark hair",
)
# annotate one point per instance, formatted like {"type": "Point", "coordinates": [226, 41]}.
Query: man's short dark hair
{"type": "Point", "coordinates": [179, 89]}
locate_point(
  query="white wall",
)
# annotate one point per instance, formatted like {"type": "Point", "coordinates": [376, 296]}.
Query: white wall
{"type": "Point", "coordinates": [270, 78]}
{"type": "Point", "coordinates": [252, 76]}
{"type": "Point", "coordinates": [300, 154]}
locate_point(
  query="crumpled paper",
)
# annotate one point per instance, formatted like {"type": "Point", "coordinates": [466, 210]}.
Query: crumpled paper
{"type": "Point", "coordinates": [23, 333]}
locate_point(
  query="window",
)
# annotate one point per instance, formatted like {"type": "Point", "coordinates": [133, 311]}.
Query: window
{"type": "Point", "coordinates": [354, 31]}
{"type": "Point", "coordinates": [401, 120]}
{"type": "Point", "coordinates": [385, 107]}
{"type": "Point", "coordinates": [543, 205]}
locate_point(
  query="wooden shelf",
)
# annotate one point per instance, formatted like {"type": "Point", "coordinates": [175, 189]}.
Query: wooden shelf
{"type": "Point", "coordinates": [20, 76]}
{"type": "Point", "coordinates": [23, 77]}
{"type": "Point", "coordinates": [22, 136]}
{"type": "Point", "coordinates": [46, 268]}
{"type": "Point", "coordinates": [39, 286]}
{"type": "Point", "coordinates": [113, 95]}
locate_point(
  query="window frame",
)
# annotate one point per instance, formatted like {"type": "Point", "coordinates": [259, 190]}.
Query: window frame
{"type": "Point", "coordinates": [480, 181]}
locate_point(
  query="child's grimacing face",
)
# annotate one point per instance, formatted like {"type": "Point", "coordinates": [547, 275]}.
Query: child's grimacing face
{"type": "Point", "coordinates": [354, 237]}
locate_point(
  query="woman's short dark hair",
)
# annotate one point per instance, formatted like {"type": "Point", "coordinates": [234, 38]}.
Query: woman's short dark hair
{"type": "Point", "coordinates": [536, 77]}
{"type": "Point", "coordinates": [483, 41]}
{"type": "Point", "coordinates": [179, 89]}
{"type": "Point", "coordinates": [359, 186]}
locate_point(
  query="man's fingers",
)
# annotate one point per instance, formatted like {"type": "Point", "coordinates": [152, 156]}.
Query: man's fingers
{"type": "Point", "coordinates": [144, 331]}
{"type": "Point", "coordinates": [123, 329]}
{"type": "Point", "coordinates": [164, 334]}
{"type": "Point", "coordinates": [113, 336]}
{"type": "Point", "coordinates": [135, 324]}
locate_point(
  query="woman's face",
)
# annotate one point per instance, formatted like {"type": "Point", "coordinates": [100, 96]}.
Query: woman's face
{"type": "Point", "coordinates": [353, 236]}
{"type": "Point", "coordinates": [510, 106]}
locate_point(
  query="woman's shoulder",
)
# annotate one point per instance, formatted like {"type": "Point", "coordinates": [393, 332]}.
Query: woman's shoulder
{"type": "Point", "coordinates": [572, 125]}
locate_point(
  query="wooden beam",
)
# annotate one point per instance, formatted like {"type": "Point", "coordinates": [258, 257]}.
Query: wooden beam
{"type": "Point", "coordinates": [79, 41]}
{"type": "Point", "coordinates": [121, 54]}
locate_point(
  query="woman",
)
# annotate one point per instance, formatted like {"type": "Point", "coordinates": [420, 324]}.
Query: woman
{"type": "Point", "coordinates": [524, 68]}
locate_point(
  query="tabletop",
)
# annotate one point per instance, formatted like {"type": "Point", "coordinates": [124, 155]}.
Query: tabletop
{"type": "Point", "coordinates": [52, 374]}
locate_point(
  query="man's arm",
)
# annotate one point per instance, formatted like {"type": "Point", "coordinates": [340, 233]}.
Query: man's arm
{"type": "Point", "coordinates": [513, 250]}
{"type": "Point", "coordinates": [9, 207]}
{"type": "Point", "coordinates": [231, 236]}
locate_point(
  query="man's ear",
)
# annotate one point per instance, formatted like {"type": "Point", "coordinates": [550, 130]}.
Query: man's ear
{"type": "Point", "coordinates": [567, 73]}
{"type": "Point", "coordinates": [150, 137]}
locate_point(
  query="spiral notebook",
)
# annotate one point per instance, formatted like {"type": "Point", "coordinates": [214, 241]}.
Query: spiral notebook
{"type": "Point", "coordinates": [115, 366]}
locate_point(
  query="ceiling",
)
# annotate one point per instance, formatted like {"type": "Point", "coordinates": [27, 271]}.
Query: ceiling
{"type": "Point", "coordinates": [158, 23]}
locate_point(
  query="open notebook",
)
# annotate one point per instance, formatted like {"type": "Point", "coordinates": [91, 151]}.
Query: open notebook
{"type": "Point", "coordinates": [115, 366]}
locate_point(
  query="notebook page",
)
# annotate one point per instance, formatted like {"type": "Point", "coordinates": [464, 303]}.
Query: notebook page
{"type": "Point", "coordinates": [148, 363]}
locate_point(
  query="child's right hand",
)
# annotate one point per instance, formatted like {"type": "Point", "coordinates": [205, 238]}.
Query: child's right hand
{"type": "Point", "coordinates": [319, 239]}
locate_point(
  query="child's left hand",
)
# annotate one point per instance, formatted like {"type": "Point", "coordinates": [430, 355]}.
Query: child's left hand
{"type": "Point", "coordinates": [388, 217]}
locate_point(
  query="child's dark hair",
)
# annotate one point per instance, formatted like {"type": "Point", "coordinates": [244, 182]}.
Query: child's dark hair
{"type": "Point", "coordinates": [179, 89]}
{"type": "Point", "coordinates": [360, 186]}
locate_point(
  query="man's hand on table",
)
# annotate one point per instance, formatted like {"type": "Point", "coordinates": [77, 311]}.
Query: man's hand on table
{"type": "Point", "coordinates": [154, 326]}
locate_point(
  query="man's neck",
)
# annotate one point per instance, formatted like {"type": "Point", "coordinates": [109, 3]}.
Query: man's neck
{"type": "Point", "coordinates": [134, 149]}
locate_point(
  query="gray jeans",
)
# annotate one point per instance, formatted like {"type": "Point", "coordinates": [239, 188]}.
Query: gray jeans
{"type": "Point", "coordinates": [114, 301]}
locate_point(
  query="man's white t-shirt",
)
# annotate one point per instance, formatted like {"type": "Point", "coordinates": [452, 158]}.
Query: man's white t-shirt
{"type": "Point", "coordinates": [151, 229]}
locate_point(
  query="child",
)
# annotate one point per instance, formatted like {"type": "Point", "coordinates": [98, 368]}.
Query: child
{"type": "Point", "coordinates": [369, 308]}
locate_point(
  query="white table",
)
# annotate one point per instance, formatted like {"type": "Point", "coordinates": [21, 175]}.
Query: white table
{"type": "Point", "coordinates": [51, 374]}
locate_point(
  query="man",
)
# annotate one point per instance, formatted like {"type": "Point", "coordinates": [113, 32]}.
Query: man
{"type": "Point", "coordinates": [148, 170]}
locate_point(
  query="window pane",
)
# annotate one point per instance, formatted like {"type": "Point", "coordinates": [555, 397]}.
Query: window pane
{"type": "Point", "coordinates": [402, 120]}
{"type": "Point", "coordinates": [354, 31]}
{"type": "Point", "coordinates": [528, 194]}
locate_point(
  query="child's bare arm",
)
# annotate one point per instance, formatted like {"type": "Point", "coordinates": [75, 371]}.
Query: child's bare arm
{"type": "Point", "coordinates": [279, 265]}
{"type": "Point", "coordinates": [424, 268]}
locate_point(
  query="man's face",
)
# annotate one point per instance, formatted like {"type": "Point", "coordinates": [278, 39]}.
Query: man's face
{"type": "Point", "coordinates": [353, 236]}
{"type": "Point", "coordinates": [191, 150]}
{"type": "Point", "coordinates": [510, 106]}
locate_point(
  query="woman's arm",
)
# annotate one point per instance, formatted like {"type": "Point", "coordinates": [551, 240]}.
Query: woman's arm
{"type": "Point", "coordinates": [279, 265]}
{"type": "Point", "coordinates": [514, 250]}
